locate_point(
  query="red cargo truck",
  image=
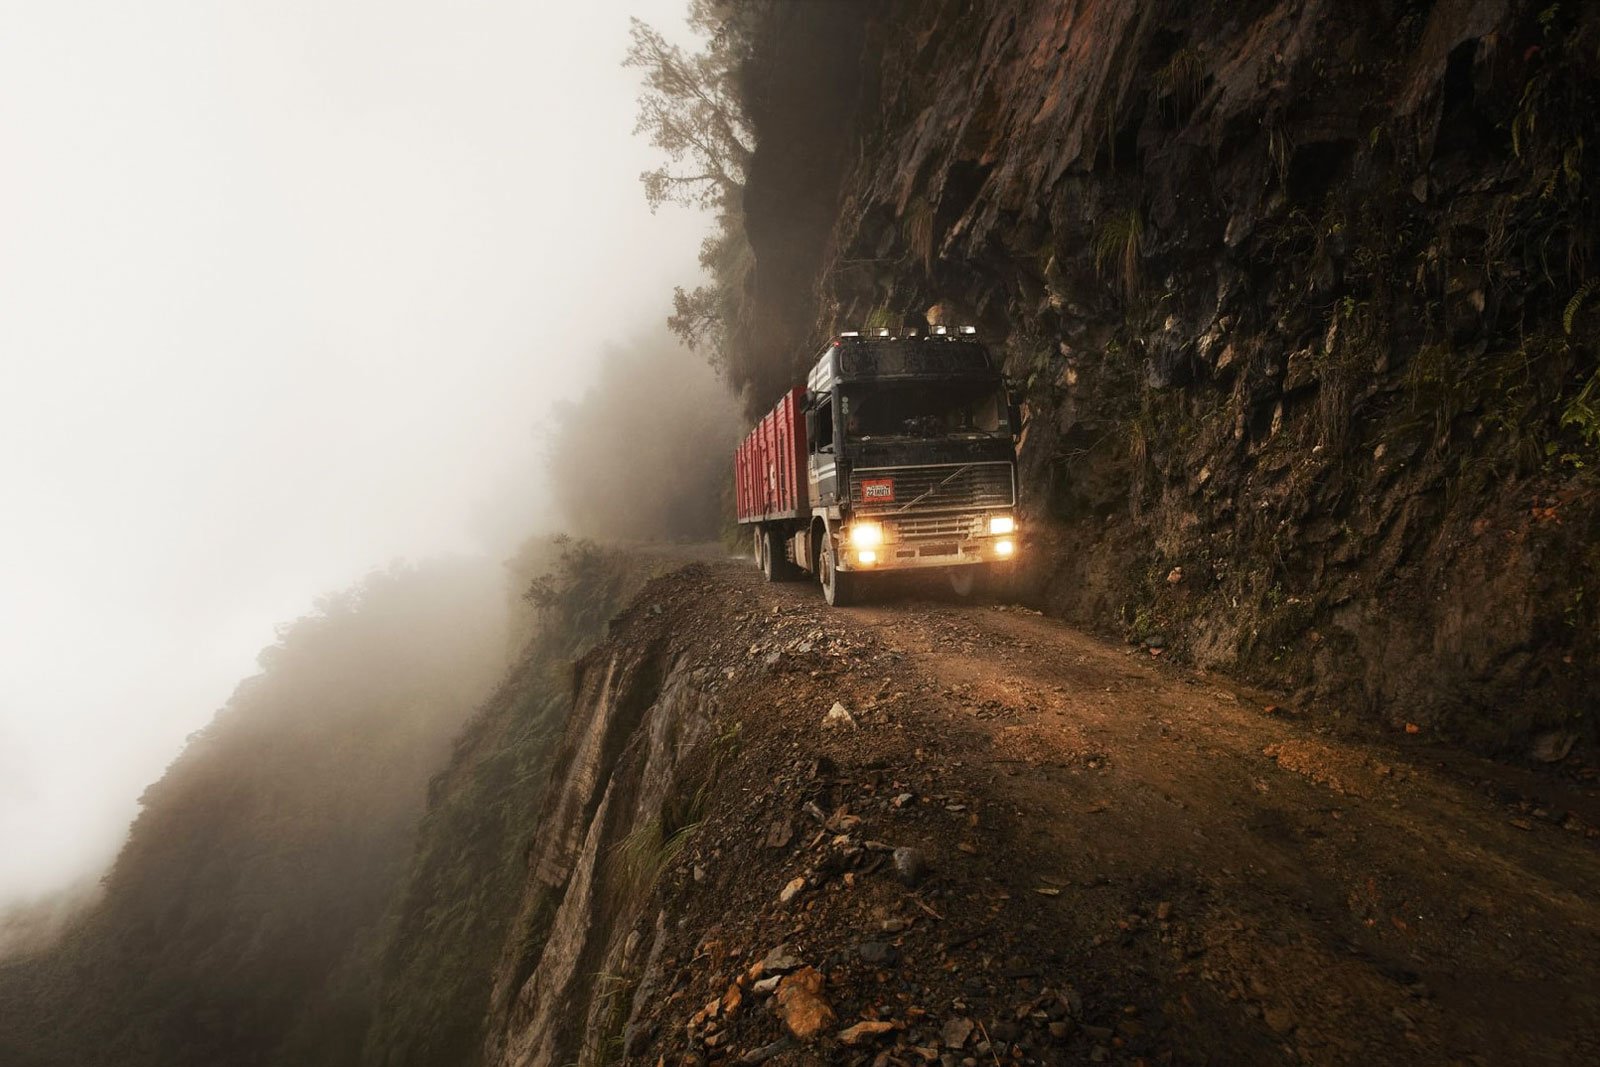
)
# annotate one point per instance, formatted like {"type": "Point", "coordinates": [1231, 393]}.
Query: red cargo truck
{"type": "Point", "coordinates": [898, 453]}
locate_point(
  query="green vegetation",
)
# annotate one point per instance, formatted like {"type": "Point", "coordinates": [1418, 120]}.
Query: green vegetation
{"type": "Point", "coordinates": [1116, 251]}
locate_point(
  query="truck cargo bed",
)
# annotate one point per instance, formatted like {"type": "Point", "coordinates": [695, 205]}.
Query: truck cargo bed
{"type": "Point", "coordinates": [770, 464]}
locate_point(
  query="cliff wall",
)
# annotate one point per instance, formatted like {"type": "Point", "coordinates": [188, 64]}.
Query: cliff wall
{"type": "Point", "coordinates": [1300, 295]}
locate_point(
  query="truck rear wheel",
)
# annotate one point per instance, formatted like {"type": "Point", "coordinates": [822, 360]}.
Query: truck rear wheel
{"type": "Point", "coordinates": [772, 556]}
{"type": "Point", "coordinates": [839, 589]}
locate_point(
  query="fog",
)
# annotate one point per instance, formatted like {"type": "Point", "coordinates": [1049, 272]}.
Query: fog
{"type": "Point", "coordinates": [287, 290]}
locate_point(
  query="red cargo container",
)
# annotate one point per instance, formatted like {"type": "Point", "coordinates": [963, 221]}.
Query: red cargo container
{"type": "Point", "coordinates": [769, 467]}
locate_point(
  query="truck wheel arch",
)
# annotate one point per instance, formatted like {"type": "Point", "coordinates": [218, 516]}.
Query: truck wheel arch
{"type": "Point", "coordinates": [820, 532]}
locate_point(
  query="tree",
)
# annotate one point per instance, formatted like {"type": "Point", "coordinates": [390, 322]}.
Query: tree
{"type": "Point", "coordinates": [691, 111]}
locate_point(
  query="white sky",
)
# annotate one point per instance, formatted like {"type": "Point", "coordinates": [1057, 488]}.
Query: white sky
{"type": "Point", "coordinates": [285, 286]}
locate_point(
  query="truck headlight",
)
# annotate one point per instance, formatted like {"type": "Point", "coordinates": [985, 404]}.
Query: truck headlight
{"type": "Point", "coordinates": [866, 535]}
{"type": "Point", "coordinates": [1002, 524]}
{"type": "Point", "coordinates": [1003, 549]}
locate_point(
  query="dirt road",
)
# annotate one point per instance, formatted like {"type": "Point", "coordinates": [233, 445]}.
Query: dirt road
{"type": "Point", "coordinates": [1127, 861]}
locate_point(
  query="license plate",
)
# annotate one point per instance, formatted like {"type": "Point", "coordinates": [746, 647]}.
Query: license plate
{"type": "Point", "coordinates": [939, 550]}
{"type": "Point", "coordinates": [877, 490]}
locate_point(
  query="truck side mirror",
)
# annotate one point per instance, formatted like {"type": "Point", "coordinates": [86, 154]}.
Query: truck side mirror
{"type": "Point", "coordinates": [1014, 414]}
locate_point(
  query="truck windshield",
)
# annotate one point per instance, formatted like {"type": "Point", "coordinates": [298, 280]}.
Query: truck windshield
{"type": "Point", "coordinates": [924, 409]}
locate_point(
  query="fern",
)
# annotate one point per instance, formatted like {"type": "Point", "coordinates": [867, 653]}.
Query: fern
{"type": "Point", "coordinates": [1575, 305]}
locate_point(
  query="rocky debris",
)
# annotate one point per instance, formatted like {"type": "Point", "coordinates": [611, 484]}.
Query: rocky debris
{"type": "Point", "coordinates": [805, 1011]}
{"type": "Point", "coordinates": [795, 887]}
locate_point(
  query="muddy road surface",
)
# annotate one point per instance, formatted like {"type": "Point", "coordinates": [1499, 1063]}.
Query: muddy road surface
{"type": "Point", "coordinates": [1121, 860]}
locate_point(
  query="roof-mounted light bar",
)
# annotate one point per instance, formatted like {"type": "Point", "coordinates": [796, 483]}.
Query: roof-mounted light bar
{"type": "Point", "coordinates": [850, 333]}
{"type": "Point", "coordinates": [940, 331]}
{"type": "Point", "coordinates": [969, 330]}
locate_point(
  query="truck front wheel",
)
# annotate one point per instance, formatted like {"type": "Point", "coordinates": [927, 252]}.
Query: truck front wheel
{"type": "Point", "coordinates": [839, 589]}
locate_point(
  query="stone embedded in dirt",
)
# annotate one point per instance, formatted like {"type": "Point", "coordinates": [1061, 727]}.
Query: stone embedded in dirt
{"type": "Point", "coordinates": [1164, 910]}
{"type": "Point", "coordinates": [860, 1032]}
{"type": "Point", "coordinates": [910, 865]}
{"type": "Point", "coordinates": [792, 890]}
{"type": "Point", "coordinates": [1060, 1030]}
{"type": "Point", "coordinates": [767, 1052]}
{"type": "Point", "coordinates": [879, 952]}
{"type": "Point", "coordinates": [1155, 641]}
{"type": "Point", "coordinates": [780, 833]}
{"type": "Point", "coordinates": [1279, 1020]}
{"type": "Point", "coordinates": [956, 1032]}
{"type": "Point", "coordinates": [838, 715]}
{"type": "Point", "coordinates": [903, 799]}
{"type": "Point", "coordinates": [804, 1009]}
{"type": "Point", "coordinates": [766, 986]}
{"type": "Point", "coordinates": [1553, 747]}
{"type": "Point", "coordinates": [1175, 576]}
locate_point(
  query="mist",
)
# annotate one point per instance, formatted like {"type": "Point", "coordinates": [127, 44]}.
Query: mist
{"type": "Point", "coordinates": [291, 290]}
{"type": "Point", "coordinates": [646, 453]}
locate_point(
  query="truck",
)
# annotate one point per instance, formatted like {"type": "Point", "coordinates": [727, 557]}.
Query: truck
{"type": "Point", "coordinates": [897, 454]}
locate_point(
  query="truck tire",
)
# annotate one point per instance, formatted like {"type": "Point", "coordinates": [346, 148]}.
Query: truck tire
{"type": "Point", "coordinates": [772, 556]}
{"type": "Point", "coordinates": [839, 589]}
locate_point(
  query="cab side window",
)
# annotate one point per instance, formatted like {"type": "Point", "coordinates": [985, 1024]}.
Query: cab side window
{"type": "Point", "coordinates": [823, 441]}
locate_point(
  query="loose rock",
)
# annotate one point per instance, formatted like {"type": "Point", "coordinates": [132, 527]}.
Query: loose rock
{"type": "Point", "coordinates": [910, 865]}
{"type": "Point", "coordinates": [860, 1032]}
{"type": "Point", "coordinates": [838, 715]}
{"type": "Point", "coordinates": [956, 1032]}
{"type": "Point", "coordinates": [804, 1009]}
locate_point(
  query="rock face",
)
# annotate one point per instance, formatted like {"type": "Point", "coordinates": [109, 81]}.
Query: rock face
{"type": "Point", "coordinates": [1300, 296]}
{"type": "Point", "coordinates": [602, 838]}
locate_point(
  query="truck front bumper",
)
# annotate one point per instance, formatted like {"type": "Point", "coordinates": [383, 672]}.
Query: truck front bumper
{"type": "Point", "coordinates": [922, 542]}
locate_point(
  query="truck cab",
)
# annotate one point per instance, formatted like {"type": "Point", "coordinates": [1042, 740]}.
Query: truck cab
{"type": "Point", "coordinates": [908, 448]}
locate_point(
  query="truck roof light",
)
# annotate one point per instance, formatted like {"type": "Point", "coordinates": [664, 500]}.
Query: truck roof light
{"type": "Point", "coordinates": [940, 331]}
{"type": "Point", "coordinates": [850, 333]}
{"type": "Point", "coordinates": [969, 329]}
{"type": "Point", "coordinates": [911, 333]}
{"type": "Point", "coordinates": [883, 333]}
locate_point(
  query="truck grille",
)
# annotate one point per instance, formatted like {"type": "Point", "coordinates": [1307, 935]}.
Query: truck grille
{"type": "Point", "coordinates": [946, 487]}
{"type": "Point", "coordinates": [939, 528]}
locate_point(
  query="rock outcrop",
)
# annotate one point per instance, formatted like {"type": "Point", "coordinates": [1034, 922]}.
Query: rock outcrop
{"type": "Point", "coordinates": [611, 819]}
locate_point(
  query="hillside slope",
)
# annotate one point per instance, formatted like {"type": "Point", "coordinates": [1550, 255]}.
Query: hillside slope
{"type": "Point", "coordinates": [240, 921]}
{"type": "Point", "coordinates": [1302, 296]}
